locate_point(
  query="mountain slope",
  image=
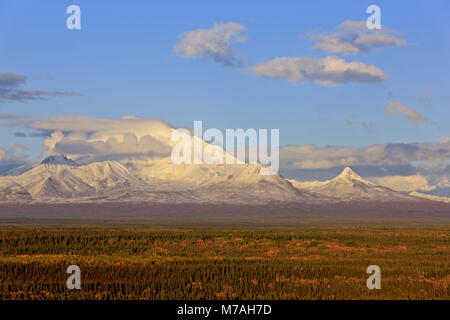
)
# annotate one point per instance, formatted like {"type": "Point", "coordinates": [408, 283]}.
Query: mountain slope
{"type": "Point", "coordinates": [430, 197]}
{"type": "Point", "coordinates": [242, 182]}
{"type": "Point", "coordinates": [53, 181]}
{"type": "Point", "coordinates": [11, 190]}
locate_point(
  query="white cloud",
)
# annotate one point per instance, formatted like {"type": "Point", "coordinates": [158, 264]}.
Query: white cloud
{"type": "Point", "coordinates": [312, 157]}
{"type": "Point", "coordinates": [397, 108]}
{"type": "Point", "coordinates": [353, 37]}
{"type": "Point", "coordinates": [13, 154]}
{"type": "Point", "coordinates": [214, 43]}
{"type": "Point", "coordinates": [352, 26]}
{"type": "Point", "coordinates": [104, 138]}
{"type": "Point", "coordinates": [410, 183]}
{"type": "Point", "coordinates": [326, 71]}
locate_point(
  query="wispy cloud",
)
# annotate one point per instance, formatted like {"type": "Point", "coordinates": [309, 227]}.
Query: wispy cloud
{"type": "Point", "coordinates": [11, 89]}
{"type": "Point", "coordinates": [353, 37]}
{"type": "Point", "coordinates": [11, 80]}
{"type": "Point", "coordinates": [13, 120]}
{"type": "Point", "coordinates": [328, 71]}
{"type": "Point", "coordinates": [397, 108]}
{"type": "Point", "coordinates": [214, 43]}
{"type": "Point", "coordinates": [368, 126]}
{"type": "Point", "coordinates": [426, 98]}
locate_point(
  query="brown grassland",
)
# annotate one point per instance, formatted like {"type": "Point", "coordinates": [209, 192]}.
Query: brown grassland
{"type": "Point", "coordinates": [157, 262]}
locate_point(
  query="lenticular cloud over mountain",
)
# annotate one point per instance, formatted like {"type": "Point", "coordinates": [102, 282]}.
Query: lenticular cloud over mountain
{"type": "Point", "coordinates": [128, 159]}
{"type": "Point", "coordinates": [105, 139]}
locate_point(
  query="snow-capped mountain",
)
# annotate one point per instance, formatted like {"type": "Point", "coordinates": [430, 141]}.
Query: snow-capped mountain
{"type": "Point", "coordinates": [349, 186]}
{"type": "Point", "coordinates": [160, 180]}
{"type": "Point", "coordinates": [98, 180]}
{"type": "Point", "coordinates": [148, 180]}
{"type": "Point", "coordinates": [59, 159]}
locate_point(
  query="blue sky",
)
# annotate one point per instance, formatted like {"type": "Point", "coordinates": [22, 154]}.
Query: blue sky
{"type": "Point", "coordinates": [122, 62]}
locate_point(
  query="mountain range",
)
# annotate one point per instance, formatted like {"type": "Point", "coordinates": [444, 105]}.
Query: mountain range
{"type": "Point", "coordinates": [61, 179]}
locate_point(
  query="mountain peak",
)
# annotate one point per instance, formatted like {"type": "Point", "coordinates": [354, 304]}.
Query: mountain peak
{"type": "Point", "coordinates": [348, 175]}
{"type": "Point", "coordinates": [59, 159]}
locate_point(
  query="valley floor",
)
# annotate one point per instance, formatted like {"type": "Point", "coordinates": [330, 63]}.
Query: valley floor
{"type": "Point", "coordinates": [304, 262]}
